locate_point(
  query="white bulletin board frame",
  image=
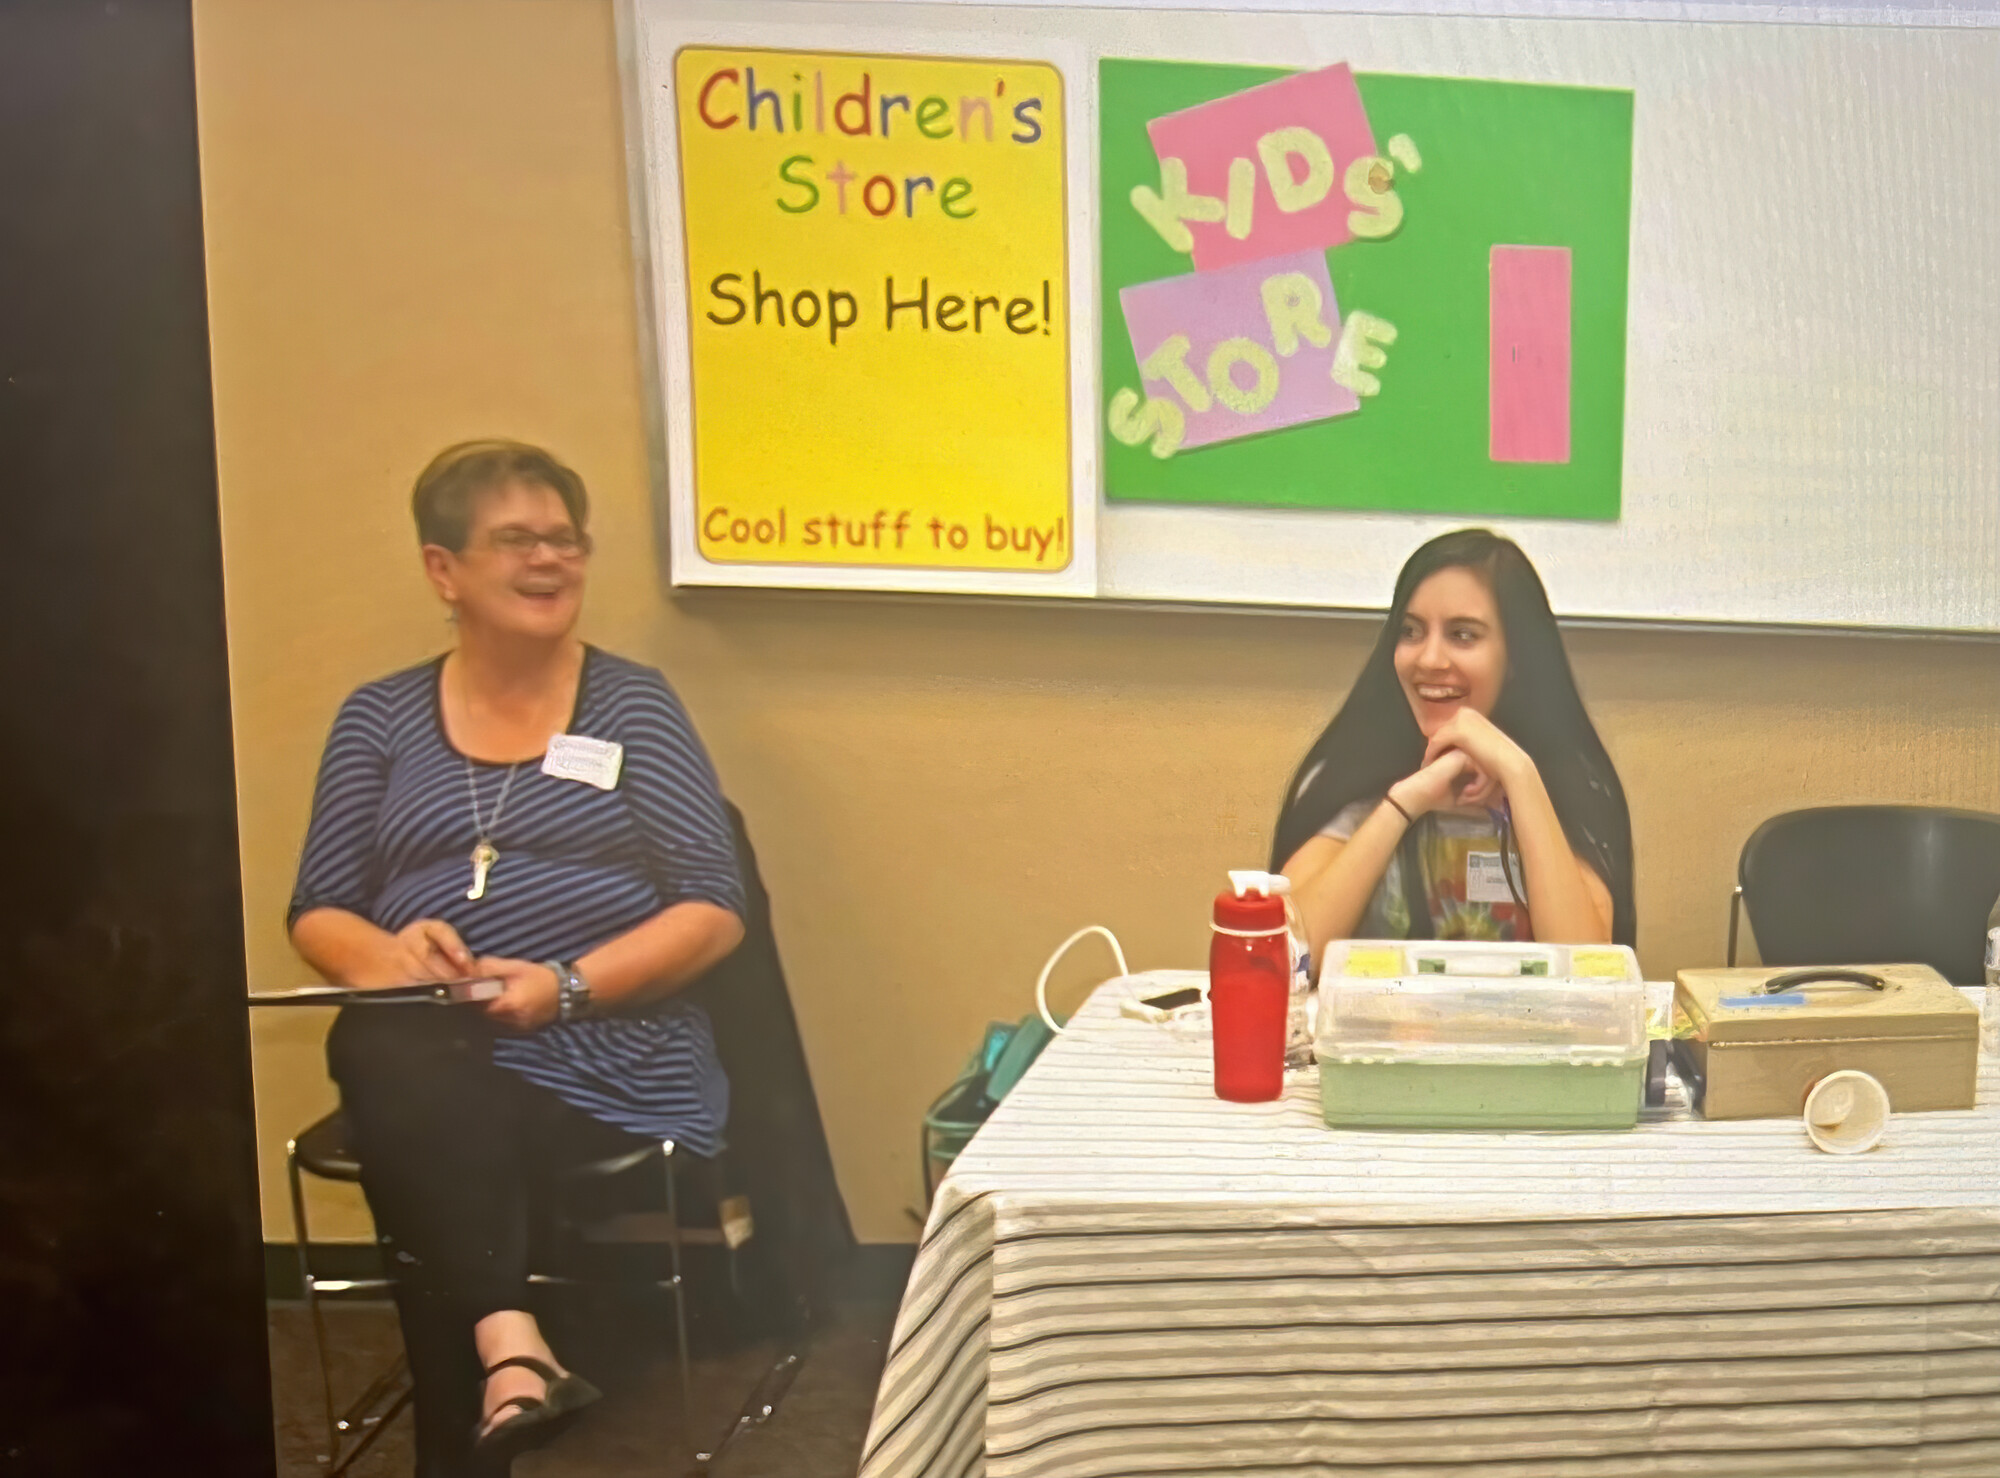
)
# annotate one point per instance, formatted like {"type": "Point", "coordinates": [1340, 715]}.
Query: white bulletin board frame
{"type": "Point", "coordinates": [1812, 420]}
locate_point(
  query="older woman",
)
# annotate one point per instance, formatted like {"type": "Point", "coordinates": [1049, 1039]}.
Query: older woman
{"type": "Point", "coordinates": [529, 808]}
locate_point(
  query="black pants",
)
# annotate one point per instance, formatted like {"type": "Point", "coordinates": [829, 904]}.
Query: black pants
{"type": "Point", "coordinates": [455, 1152]}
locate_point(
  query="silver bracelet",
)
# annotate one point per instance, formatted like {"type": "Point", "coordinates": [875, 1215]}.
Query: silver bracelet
{"type": "Point", "coordinates": [572, 992]}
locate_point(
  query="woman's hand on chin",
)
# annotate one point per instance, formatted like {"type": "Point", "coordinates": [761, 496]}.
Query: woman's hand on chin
{"type": "Point", "coordinates": [1438, 785]}
{"type": "Point", "coordinates": [1492, 758]}
{"type": "Point", "coordinates": [532, 998]}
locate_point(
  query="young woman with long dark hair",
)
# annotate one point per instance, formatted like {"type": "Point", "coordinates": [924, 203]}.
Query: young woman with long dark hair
{"type": "Point", "coordinates": [1461, 792]}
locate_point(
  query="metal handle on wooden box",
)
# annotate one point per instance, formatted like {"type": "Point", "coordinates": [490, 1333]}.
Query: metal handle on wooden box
{"type": "Point", "coordinates": [1777, 985]}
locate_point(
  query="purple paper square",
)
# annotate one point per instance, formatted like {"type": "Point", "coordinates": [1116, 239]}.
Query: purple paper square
{"type": "Point", "coordinates": [1260, 340]}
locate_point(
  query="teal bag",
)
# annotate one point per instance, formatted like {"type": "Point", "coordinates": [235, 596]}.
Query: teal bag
{"type": "Point", "coordinates": [1004, 1056]}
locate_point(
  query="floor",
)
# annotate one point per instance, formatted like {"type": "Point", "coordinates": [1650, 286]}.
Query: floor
{"type": "Point", "coordinates": [816, 1432]}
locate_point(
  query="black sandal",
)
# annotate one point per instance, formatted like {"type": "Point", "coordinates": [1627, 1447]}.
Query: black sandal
{"type": "Point", "coordinates": [537, 1418]}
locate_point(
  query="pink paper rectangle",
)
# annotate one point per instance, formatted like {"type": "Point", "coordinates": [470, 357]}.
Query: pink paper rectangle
{"type": "Point", "coordinates": [1212, 309]}
{"type": "Point", "coordinates": [1208, 136]}
{"type": "Point", "coordinates": [1528, 407]}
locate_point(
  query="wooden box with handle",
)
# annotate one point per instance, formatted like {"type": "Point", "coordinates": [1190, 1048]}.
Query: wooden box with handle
{"type": "Point", "coordinates": [1752, 1042]}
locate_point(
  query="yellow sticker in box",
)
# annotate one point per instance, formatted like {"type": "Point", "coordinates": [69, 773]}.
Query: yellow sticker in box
{"type": "Point", "coordinates": [1596, 964]}
{"type": "Point", "coordinates": [1373, 964]}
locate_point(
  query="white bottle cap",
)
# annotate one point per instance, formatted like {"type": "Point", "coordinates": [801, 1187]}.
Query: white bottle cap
{"type": "Point", "coordinates": [1846, 1112]}
{"type": "Point", "coordinates": [1268, 884]}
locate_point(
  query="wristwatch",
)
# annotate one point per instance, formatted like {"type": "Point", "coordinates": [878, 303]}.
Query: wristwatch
{"type": "Point", "coordinates": [572, 991]}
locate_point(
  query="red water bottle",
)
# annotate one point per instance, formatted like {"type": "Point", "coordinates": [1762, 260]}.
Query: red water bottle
{"type": "Point", "coordinates": [1249, 996]}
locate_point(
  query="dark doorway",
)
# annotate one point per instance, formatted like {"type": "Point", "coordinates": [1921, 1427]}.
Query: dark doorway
{"type": "Point", "coordinates": [131, 1314]}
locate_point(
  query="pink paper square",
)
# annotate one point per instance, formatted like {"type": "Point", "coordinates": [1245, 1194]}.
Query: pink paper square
{"type": "Point", "coordinates": [1212, 308]}
{"type": "Point", "coordinates": [1208, 136]}
{"type": "Point", "coordinates": [1528, 407]}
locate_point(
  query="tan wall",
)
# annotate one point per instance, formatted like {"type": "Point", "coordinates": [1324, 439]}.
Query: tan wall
{"type": "Point", "coordinates": [417, 232]}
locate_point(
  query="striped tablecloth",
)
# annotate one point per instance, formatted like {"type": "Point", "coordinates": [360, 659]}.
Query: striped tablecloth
{"type": "Point", "coordinates": [1125, 1276]}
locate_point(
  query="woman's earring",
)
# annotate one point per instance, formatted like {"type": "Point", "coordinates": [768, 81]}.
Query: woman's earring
{"type": "Point", "coordinates": [451, 615]}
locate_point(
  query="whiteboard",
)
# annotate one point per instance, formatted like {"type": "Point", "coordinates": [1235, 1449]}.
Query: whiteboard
{"type": "Point", "coordinates": [1812, 372]}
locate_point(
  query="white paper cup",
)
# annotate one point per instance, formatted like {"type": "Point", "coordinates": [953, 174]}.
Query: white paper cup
{"type": "Point", "coordinates": [1846, 1113]}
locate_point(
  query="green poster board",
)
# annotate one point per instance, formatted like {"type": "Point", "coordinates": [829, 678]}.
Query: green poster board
{"type": "Point", "coordinates": [1502, 164]}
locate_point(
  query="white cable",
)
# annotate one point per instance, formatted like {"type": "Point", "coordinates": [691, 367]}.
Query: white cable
{"type": "Point", "coordinates": [1042, 985]}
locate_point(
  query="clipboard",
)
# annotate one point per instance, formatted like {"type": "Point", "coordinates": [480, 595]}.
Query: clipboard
{"type": "Point", "coordinates": [424, 993]}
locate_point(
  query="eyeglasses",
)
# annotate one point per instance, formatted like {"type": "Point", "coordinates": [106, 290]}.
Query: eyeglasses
{"type": "Point", "coordinates": [522, 543]}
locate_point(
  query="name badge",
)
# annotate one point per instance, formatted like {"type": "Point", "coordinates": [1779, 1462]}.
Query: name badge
{"type": "Point", "coordinates": [1484, 880]}
{"type": "Point", "coordinates": [577, 757]}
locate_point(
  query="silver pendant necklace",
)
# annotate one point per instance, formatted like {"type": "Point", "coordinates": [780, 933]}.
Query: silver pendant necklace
{"type": "Point", "coordinates": [484, 853]}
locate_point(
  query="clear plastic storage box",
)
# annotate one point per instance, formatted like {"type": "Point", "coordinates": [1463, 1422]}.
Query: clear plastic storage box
{"type": "Point", "coordinates": [1480, 1036]}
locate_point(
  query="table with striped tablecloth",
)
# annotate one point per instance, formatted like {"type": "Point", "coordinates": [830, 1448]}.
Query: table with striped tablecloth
{"type": "Point", "coordinates": [1125, 1277]}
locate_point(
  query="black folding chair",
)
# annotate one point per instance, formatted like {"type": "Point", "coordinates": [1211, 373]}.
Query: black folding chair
{"type": "Point", "coordinates": [778, 1148]}
{"type": "Point", "coordinates": [1871, 884]}
{"type": "Point", "coordinates": [323, 1150]}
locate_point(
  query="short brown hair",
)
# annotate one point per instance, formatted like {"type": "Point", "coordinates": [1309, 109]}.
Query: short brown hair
{"type": "Point", "coordinates": [448, 487]}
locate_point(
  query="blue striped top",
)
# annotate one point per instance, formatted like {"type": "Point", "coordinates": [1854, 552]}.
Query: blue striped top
{"type": "Point", "coordinates": [392, 835]}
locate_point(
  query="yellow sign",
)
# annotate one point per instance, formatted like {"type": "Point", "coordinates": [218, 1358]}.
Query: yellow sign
{"type": "Point", "coordinates": [877, 281]}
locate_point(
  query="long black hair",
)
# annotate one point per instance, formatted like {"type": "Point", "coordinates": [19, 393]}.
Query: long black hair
{"type": "Point", "coordinates": [1374, 740]}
